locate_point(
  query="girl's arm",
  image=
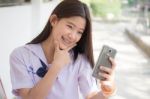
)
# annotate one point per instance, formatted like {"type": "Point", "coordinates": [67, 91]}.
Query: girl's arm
{"type": "Point", "coordinates": [41, 89]}
{"type": "Point", "coordinates": [108, 87]}
{"type": "Point", "coordinates": [96, 95]}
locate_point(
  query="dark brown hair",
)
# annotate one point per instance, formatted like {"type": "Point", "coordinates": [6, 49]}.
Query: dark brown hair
{"type": "Point", "coordinates": [70, 8]}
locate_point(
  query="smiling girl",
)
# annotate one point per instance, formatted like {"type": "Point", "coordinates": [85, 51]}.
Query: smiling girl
{"type": "Point", "coordinates": [59, 61]}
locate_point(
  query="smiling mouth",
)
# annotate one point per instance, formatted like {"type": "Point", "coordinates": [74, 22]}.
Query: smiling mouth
{"type": "Point", "coordinates": [66, 41]}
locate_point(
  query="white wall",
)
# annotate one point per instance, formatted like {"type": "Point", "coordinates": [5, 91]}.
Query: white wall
{"type": "Point", "coordinates": [17, 28]}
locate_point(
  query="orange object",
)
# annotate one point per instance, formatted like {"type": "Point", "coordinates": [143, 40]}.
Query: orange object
{"type": "Point", "coordinates": [108, 90]}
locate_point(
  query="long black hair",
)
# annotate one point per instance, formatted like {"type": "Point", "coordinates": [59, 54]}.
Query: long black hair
{"type": "Point", "coordinates": [66, 9]}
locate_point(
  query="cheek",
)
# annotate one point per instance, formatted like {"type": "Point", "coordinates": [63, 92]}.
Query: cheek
{"type": "Point", "coordinates": [78, 38]}
{"type": "Point", "coordinates": [57, 34]}
{"type": "Point", "coordinates": [61, 31]}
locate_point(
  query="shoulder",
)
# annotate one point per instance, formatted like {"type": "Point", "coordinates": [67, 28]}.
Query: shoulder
{"type": "Point", "coordinates": [18, 51]}
{"type": "Point", "coordinates": [22, 50]}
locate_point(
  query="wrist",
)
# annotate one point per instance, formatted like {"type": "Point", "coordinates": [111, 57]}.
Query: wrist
{"type": "Point", "coordinates": [108, 89]}
{"type": "Point", "coordinates": [109, 94]}
{"type": "Point", "coordinates": [56, 65]}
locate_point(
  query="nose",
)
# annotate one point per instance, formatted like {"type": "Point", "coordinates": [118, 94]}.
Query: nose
{"type": "Point", "coordinates": [72, 36]}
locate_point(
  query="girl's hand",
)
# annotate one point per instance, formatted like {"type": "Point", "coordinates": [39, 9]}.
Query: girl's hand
{"type": "Point", "coordinates": [61, 57]}
{"type": "Point", "coordinates": [108, 86]}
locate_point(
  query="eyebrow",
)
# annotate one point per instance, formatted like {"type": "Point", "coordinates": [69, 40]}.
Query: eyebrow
{"type": "Point", "coordinates": [75, 25]}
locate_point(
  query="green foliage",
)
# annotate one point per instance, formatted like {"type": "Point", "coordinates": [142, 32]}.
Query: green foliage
{"type": "Point", "coordinates": [103, 7]}
{"type": "Point", "coordinates": [132, 2]}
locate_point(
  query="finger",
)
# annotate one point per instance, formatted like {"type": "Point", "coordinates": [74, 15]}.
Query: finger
{"type": "Point", "coordinates": [113, 63]}
{"type": "Point", "coordinates": [106, 69]}
{"type": "Point", "coordinates": [69, 48]}
{"type": "Point", "coordinates": [106, 76]}
{"type": "Point", "coordinates": [106, 83]}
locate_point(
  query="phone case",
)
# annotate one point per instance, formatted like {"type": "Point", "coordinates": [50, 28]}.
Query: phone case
{"type": "Point", "coordinates": [103, 60]}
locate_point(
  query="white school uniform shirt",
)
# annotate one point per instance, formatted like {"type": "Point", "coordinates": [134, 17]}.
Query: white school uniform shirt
{"type": "Point", "coordinates": [24, 62]}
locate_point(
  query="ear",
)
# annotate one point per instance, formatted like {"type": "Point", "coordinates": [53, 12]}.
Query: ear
{"type": "Point", "coordinates": [53, 19]}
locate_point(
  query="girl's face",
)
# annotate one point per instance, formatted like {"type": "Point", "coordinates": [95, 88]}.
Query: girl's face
{"type": "Point", "coordinates": [67, 31]}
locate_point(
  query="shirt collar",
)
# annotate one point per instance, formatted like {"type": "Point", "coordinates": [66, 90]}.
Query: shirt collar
{"type": "Point", "coordinates": [37, 50]}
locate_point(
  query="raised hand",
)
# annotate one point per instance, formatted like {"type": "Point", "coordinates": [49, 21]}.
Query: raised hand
{"type": "Point", "coordinates": [62, 56]}
{"type": "Point", "coordinates": [108, 86]}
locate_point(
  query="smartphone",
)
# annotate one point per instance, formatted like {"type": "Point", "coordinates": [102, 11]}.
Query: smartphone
{"type": "Point", "coordinates": [103, 60]}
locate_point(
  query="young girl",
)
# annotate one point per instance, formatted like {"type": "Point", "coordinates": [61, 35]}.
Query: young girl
{"type": "Point", "coordinates": [59, 61]}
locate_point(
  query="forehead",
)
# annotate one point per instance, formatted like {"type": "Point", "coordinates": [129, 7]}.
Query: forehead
{"type": "Point", "coordinates": [76, 20]}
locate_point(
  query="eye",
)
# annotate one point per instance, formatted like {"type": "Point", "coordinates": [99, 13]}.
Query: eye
{"type": "Point", "coordinates": [80, 33]}
{"type": "Point", "coordinates": [71, 27]}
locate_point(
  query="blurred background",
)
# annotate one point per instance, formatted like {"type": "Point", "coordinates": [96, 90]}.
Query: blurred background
{"type": "Point", "coordinates": [122, 24]}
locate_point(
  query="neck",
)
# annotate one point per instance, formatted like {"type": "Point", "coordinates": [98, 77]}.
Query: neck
{"type": "Point", "coordinates": [48, 48]}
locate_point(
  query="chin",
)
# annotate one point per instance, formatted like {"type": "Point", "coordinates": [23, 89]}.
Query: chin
{"type": "Point", "coordinates": [62, 47]}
